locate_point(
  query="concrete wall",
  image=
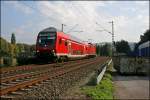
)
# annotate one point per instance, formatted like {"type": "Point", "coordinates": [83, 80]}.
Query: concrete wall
{"type": "Point", "coordinates": [131, 65]}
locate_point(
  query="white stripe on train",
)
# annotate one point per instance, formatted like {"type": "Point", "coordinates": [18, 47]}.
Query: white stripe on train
{"type": "Point", "coordinates": [69, 55]}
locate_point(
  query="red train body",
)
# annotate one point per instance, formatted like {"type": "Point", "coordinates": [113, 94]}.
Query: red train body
{"type": "Point", "coordinates": [52, 43]}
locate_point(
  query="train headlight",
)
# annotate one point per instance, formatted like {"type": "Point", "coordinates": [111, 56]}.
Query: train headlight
{"type": "Point", "coordinates": [53, 51]}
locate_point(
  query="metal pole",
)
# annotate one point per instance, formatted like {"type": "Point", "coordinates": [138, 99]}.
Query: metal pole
{"type": "Point", "coordinates": [62, 27]}
{"type": "Point", "coordinates": [112, 37]}
{"type": "Point", "coordinates": [112, 33]}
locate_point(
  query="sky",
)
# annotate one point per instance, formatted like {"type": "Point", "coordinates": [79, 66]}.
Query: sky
{"type": "Point", "coordinates": [27, 18]}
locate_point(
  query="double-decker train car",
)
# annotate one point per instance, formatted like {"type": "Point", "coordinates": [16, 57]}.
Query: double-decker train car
{"type": "Point", "coordinates": [56, 45]}
{"type": "Point", "coordinates": [144, 49]}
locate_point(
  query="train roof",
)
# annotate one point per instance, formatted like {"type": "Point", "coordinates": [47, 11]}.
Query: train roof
{"type": "Point", "coordinates": [75, 39]}
{"type": "Point", "coordinates": [50, 29]}
{"type": "Point", "coordinates": [144, 45]}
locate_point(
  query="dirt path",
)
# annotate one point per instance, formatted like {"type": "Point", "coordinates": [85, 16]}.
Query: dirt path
{"type": "Point", "coordinates": [131, 87]}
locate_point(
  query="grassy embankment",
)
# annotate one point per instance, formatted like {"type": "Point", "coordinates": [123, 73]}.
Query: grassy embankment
{"type": "Point", "coordinates": [104, 90]}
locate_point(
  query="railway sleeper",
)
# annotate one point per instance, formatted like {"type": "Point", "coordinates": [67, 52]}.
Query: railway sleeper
{"type": "Point", "coordinates": [6, 84]}
{"type": "Point", "coordinates": [17, 93]}
{"type": "Point", "coordinates": [26, 89]}
{"type": "Point", "coordinates": [18, 80]}
{"type": "Point", "coordinates": [37, 84]}
{"type": "Point", "coordinates": [7, 96]}
{"type": "Point", "coordinates": [31, 86]}
{"type": "Point", "coordinates": [13, 82]}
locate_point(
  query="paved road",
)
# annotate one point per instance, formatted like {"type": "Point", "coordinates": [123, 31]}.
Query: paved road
{"type": "Point", "coordinates": [131, 87]}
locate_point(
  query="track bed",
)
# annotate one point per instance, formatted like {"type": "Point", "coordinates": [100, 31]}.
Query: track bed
{"type": "Point", "coordinates": [49, 82]}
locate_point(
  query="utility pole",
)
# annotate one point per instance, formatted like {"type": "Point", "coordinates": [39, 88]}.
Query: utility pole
{"type": "Point", "coordinates": [63, 27]}
{"type": "Point", "coordinates": [112, 33]}
{"type": "Point", "coordinates": [112, 37]}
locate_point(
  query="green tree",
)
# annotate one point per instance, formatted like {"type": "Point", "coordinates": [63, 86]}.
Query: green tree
{"type": "Point", "coordinates": [32, 48]}
{"type": "Point", "coordinates": [4, 49]}
{"type": "Point", "coordinates": [97, 49]}
{"type": "Point", "coordinates": [104, 50]}
{"type": "Point", "coordinates": [13, 39]}
{"type": "Point", "coordinates": [27, 48]}
{"type": "Point", "coordinates": [145, 37]}
{"type": "Point", "coordinates": [122, 46]}
{"type": "Point", "coordinates": [14, 49]}
{"type": "Point", "coordinates": [20, 47]}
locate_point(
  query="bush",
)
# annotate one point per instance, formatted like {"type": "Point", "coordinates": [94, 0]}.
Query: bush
{"type": "Point", "coordinates": [9, 61]}
{"type": "Point", "coordinates": [22, 60]}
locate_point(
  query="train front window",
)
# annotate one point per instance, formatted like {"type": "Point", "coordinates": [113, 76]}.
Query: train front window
{"type": "Point", "coordinates": [46, 40]}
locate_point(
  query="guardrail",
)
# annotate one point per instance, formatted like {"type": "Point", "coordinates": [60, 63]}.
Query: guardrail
{"type": "Point", "coordinates": [102, 70]}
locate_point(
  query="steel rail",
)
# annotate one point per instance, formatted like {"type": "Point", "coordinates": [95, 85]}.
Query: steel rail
{"type": "Point", "coordinates": [18, 76]}
{"type": "Point", "coordinates": [29, 67]}
{"type": "Point", "coordinates": [41, 78]}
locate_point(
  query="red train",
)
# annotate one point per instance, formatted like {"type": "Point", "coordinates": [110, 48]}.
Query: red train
{"type": "Point", "coordinates": [56, 45]}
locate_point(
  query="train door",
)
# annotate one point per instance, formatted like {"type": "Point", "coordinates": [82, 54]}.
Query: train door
{"type": "Point", "coordinates": [60, 45]}
{"type": "Point", "coordinates": [69, 47]}
{"type": "Point", "coordinates": [84, 50]}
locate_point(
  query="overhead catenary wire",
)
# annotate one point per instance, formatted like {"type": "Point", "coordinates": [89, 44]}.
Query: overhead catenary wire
{"type": "Point", "coordinates": [48, 17]}
{"type": "Point", "coordinates": [83, 14]}
{"type": "Point", "coordinates": [103, 28]}
{"type": "Point", "coordinates": [73, 28]}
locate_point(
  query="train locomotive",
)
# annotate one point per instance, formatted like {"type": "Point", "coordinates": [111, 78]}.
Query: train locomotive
{"type": "Point", "coordinates": [55, 45]}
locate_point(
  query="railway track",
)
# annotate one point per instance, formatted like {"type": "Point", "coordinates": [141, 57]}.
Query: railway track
{"type": "Point", "coordinates": [29, 79]}
{"type": "Point", "coordinates": [31, 68]}
{"type": "Point", "coordinates": [47, 70]}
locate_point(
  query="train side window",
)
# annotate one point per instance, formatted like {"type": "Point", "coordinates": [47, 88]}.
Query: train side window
{"type": "Point", "coordinates": [65, 43]}
{"type": "Point", "coordinates": [60, 41]}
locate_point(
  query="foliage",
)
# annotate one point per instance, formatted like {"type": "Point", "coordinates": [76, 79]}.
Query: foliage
{"type": "Point", "coordinates": [8, 49]}
{"type": "Point", "coordinates": [5, 47]}
{"type": "Point", "coordinates": [145, 37]}
{"type": "Point", "coordinates": [104, 90]}
{"type": "Point", "coordinates": [15, 51]}
{"type": "Point", "coordinates": [13, 39]}
{"type": "Point", "coordinates": [25, 48]}
{"type": "Point", "coordinates": [122, 47]}
{"type": "Point", "coordinates": [103, 50]}
{"type": "Point", "coordinates": [97, 49]}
